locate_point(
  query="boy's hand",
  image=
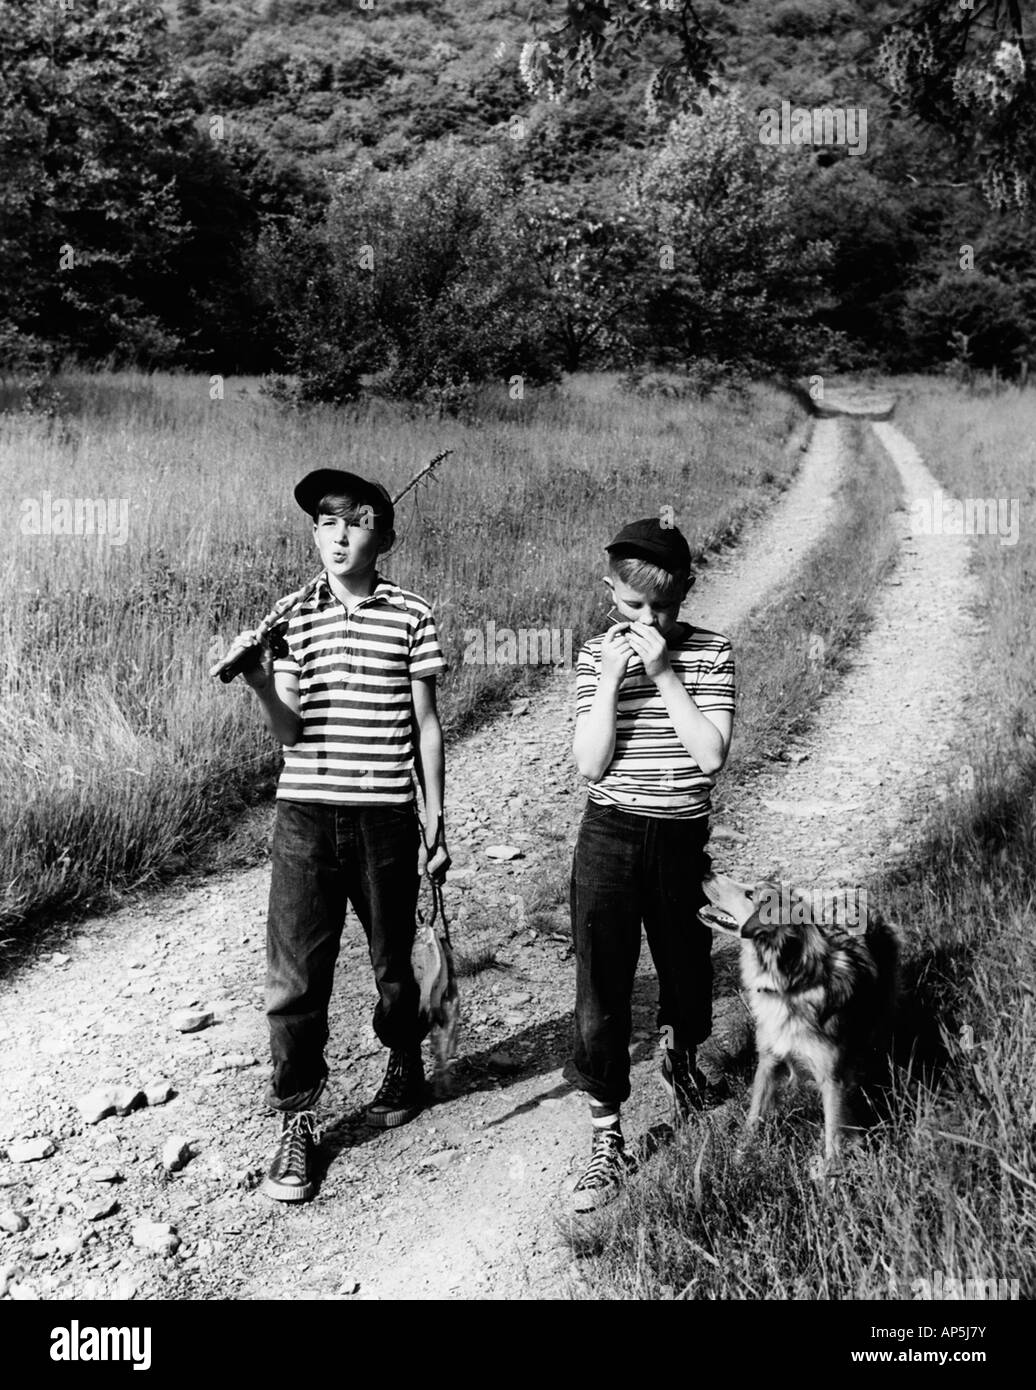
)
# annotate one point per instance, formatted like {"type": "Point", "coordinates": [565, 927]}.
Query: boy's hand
{"type": "Point", "coordinates": [616, 651]}
{"type": "Point", "coordinates": [434, 862]}
{"type": "Point", "coordinates": [650, 646]}
{"type": "Point", "coordinates": [257, 670]}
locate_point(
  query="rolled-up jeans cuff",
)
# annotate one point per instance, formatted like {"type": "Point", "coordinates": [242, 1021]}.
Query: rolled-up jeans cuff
{"type": "Point", "coordinates": [302, 1100]}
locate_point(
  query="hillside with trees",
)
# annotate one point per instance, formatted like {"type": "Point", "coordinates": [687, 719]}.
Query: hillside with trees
{"type": "Point", "coordinates": [383, 193]}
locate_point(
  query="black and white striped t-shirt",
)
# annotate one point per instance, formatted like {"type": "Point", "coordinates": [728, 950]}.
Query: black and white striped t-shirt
{"type": "Point", "coordinates": [354, 672]}
{"type": "Point", "coordinates": [651, 772]}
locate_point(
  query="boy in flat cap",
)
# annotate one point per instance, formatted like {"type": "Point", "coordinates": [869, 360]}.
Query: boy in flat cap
{"type": "Point", "coordinates": [655, 702]}
{"type": "Point", "coordinates": [350, 693]}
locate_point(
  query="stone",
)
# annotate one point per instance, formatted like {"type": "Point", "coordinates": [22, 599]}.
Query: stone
{"type": "Point", "coordinates": [191, 1020]}
{"type": "Point", "coordinates": [12, 1221]}
{"type": "Point", "coordinates": [504, 852]}
{"type": "Point", "coordinates": [23, 1293]}
{"type": "Point", "coordinates": [158, 1092]}
{"type": "Point", "coordinates": [102, 1101]}
{"type": "Point", "coordinates": [176, 1153]}
{"type": "Point", "coordinates": [157, 1237]}
{"type": "Point", "coordinates": [30, 1150]}
{"type": "Point", "coordinates": [97, 1104]}
{"type": "Point", "coordinates": [234, 1061]}
{"type": "Point", "coordinates": [128, 1099]}
{"type": "Point", "coordinates": [98, 1208]}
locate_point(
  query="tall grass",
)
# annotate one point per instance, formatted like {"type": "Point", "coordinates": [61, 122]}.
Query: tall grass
{"type": "Point", "coordinates": [945, 1186]}
{"type": "Point", "coordinates": [120, 756]}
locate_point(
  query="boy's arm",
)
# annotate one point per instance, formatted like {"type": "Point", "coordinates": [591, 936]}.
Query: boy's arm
{"type": "Point", "coordinates": [706, 736]}
{"type": "Point", "coordinates": [278, 695]}
{"type": "Point", "coordinates": [594, 744]}
{"type": "Point", "coordinates": [430, 765]}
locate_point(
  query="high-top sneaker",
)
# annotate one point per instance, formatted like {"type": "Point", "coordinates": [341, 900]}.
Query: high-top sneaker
{"type": "Point", "coordinates": [606, 1172]}
{"type": "Point", "coordinates": [401, 1095]}
{"type": "Point", "coordinates": [290, 1175]}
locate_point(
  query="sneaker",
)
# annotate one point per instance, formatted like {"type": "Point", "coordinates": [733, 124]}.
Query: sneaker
{"type": "Point", "coordinates": [401, 1095]}
{"type": "Point", "coordinates": [685, 1084]}
{"type": "Point", "coordinates": [606, 1172]}
{"type": "Point", "coordinates": [290, 1175]}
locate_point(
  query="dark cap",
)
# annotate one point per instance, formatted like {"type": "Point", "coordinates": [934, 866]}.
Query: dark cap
{"type": "Point", "coordinates": [650, 540]}
{"type": "Point", "coordinates": [325, 481]}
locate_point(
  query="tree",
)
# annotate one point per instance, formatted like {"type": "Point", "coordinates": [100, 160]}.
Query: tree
{"type": "Point", "coordinates": [730, 278]}
{"type": "Point", "coordinates": [93, 123]}
{"type": "Point", "coordinates": [564, 56]}
{"type": "Point", "coordinates": [415, 274]}
{"type": "Point", "coordinates": [586, 259]}
{"type": "Point", "coordinates": [966, 69]}
{"type": "Point", "coordinates": [972, 318]}
{"type": "Point", "coordinates": [962, 65]}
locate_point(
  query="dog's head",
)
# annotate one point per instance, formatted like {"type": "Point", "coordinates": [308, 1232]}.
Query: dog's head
{"type": "Point", "coordinates": [728, 902]}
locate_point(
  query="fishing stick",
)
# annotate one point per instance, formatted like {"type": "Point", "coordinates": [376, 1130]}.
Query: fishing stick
{"type": "Point", "coordinates": [242, 653]}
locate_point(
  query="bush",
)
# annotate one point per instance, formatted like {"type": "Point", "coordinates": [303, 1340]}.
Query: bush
{"type": "Point", "coordinates": [414, 275]}
{"type": "Point", "coordinates": [971, 318]}
{"type": "Point", "coordinates": [698, 380]}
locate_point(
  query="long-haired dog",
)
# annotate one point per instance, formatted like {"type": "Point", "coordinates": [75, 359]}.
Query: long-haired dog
{"type": "Point", "coordinates": [822, 996]}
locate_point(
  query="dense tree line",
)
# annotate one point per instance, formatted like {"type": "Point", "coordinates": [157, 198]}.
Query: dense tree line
{"type": "Point", "coordinates": [372, 196]}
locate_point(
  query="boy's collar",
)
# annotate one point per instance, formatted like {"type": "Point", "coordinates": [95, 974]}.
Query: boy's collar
{"type": "Point", "coordinates": [384, 591]}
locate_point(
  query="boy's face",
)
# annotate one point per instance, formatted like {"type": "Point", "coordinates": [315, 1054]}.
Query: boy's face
{"type": "Point", "coordinates": [349, 546]}
{"type": "Point", "coordinates": [636, 607]}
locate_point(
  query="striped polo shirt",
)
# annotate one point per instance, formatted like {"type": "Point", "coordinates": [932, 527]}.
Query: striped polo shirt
{"type": "Point", "coordinates": [651, 772]}
{"type": "Point", "coordinates": [354, 672]}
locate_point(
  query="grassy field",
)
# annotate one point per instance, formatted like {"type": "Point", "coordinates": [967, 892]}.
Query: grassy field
{"type": "Point", "coordinates": [946, 1187]}
{"type": "Point", "coordinates": [121, 758]}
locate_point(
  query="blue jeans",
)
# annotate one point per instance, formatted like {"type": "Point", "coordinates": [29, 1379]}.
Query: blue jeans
{"type": "Point", "coordinates": [322, 857]}
{"type": "Point", "coordinates": [630, 870]}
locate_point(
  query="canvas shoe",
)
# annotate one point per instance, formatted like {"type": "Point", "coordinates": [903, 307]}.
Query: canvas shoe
{"type": "Point", "coordinates": [290, 1175]}
{"type": "Point", "coordinates": [401, 1095]}
{"type": "Point", "coordinates": [606, 1172]}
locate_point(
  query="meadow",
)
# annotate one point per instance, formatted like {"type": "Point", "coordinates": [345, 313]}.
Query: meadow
{"type": "Point", "coordinates": [122, 761]}
{"type": "Point", "coordinates": [945, 1187]}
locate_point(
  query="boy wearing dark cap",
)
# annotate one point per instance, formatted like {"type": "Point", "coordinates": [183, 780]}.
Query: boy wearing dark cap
{"type": "Point", "coordinates": [655, 702]}
{"type": "Point", "coordinates": [350, 693]}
